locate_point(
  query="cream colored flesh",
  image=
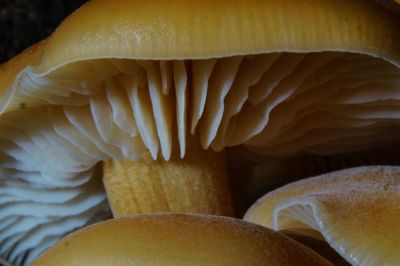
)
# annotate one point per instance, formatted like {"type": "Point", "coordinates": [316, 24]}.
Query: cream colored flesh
{"type": "Point", "coordinates": [354, 210]}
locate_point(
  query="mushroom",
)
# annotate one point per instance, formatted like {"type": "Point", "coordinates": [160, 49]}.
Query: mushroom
{"type": "Point", "coordinates": [177, 239]}
{"type": "Point", "coordinates": [355, 211]}
{"type": "Point", "coordinates": [159, 90]}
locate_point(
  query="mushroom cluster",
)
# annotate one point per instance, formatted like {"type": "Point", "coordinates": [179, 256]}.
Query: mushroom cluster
{"type": "Point", "coordinates": [148, 100]}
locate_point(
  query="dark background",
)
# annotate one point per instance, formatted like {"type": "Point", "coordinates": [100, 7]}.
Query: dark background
{"type": "Point", "coordinates": [25, 22]}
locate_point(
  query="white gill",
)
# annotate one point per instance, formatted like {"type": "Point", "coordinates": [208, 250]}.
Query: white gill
{"type": "Point", "coordinates": [69, 121]}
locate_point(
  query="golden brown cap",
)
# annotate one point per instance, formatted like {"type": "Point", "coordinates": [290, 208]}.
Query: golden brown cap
{"type": "Point", "coordinates": [177, 239]}
{"type": "Point", "coordinates": [190, 29]}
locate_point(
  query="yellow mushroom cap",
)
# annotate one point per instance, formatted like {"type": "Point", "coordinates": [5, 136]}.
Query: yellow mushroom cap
{"type": "Point", "coordinates": [189, 29]}
{"type": "Point", "coordinates": [103, 39]}
{"type": "Point", "coordinates": [355, 210]}
{"type": "Point", "coordinates": [177, 239]}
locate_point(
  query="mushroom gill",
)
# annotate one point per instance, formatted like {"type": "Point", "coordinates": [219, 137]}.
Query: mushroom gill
{"type": "Point", "coordinates": [320, 97]}
{"type": "Point", "coordinates": [159, 110]}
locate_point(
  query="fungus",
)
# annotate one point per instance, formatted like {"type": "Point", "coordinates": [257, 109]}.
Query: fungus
{"type": "Point", "coordinates": [158, 90]}
{"type": "Point", "coordinates": [352, 210]}
{"type": "Point", "coordinates": [178, 239]}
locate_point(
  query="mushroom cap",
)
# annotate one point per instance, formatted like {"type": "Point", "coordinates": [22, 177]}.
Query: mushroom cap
{"type": "Point", "coordinates": [189, 29]}
{"type": "Point", "coordinates": [95, 43]}
{"type": "Point", "coordinates": [103, 39]}
{"type": "Point", "coordinates": [177, 239]}
{"type": "Point", "coordinates": [355, 210]}
{"type": "Point", "coordinates": [213, 29]}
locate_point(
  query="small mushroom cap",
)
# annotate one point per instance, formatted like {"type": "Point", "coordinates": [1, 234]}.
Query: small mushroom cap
{"type": "Point", "coordinates": [355, 210]}
{"type": "Point", "coordinates": [177, 239]}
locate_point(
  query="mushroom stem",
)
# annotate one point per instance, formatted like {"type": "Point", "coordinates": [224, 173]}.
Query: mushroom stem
{"type": "Point", "coordinates": [196, 184]}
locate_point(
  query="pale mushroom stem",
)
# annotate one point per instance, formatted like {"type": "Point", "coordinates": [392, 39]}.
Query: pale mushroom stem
{"type": "Point", "coordinates": [196, 184]}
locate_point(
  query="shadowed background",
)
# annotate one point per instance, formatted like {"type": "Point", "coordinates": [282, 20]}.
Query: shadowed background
{"type": "Point", "coordinates": [25, 22]}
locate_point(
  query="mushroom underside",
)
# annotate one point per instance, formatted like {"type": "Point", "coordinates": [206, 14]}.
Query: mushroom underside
{"type": "Point", "coordinates": [56, 129]}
